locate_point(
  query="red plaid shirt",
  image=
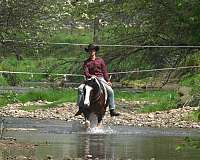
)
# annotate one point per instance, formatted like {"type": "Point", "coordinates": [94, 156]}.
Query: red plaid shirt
{"type": "Point", "coordinates": [96, 67]}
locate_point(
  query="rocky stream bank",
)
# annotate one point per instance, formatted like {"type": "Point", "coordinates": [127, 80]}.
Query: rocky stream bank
{"type": "Point", "coordinates": [129, 115]}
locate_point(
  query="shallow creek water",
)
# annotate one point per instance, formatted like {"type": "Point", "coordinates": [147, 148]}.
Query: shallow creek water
{"type": "Point", "coordinates": [60, 139]}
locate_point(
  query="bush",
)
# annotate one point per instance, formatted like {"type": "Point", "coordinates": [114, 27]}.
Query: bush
{"type": "Point", "coordinates": [193, 81]}
{"type": "Point", "coordinates": [12, 79]}
{"type": "Point", "coordinates": [3, 81]}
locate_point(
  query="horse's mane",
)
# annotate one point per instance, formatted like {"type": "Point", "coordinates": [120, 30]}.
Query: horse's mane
{"type": "Point", "coordinates": [94, 83]}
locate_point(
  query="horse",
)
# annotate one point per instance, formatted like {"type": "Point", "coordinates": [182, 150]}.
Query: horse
{"type": "Point", "coordinates": [94, 101]}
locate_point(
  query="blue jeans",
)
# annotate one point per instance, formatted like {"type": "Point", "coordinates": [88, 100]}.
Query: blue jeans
{"type": "Point", "coordinates": [111, 101]}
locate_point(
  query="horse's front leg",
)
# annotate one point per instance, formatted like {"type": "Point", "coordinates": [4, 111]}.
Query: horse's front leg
{"type": "Point", "coordinates": [99, 118]}
{"type": "Point", "coordinates": [87, 122]}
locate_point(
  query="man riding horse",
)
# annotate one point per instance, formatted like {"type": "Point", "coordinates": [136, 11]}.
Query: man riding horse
{"type": "Point", "coordinates": [95, 66]}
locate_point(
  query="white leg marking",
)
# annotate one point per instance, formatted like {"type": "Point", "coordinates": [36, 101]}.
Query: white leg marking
{"type": "Point", "coordinates": [87, 95]}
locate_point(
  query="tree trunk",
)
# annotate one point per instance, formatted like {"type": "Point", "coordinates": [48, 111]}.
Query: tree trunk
{"type": "Point", "coordinates": [96, 31]}
{"type": "Point", "coordinates": [18, 54]}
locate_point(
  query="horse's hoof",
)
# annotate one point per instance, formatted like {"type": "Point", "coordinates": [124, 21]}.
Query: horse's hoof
{"type": "Point", "coordinates": [87, 124]}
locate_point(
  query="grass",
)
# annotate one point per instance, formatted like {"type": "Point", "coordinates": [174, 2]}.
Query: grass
{"type": "Point", "coordinates": [3, 100]}
{"type": "Point", "coordinates": [195, 116]}
{"type": "Point", "coordinates": [3, 81]}
{"type": "Point", "coordinates": [147, 95]}
{"type": "Point", "coordinates": [56, 96]}
{"type": "Point", "coordinates": [49, 59]}
{"type": "Point", "coordinates": [161, 106]}
{"type": "Point", "coordinates": [190, 79]}
{"type": "Point", "coordinates": [51, 95]}
{"type": "Point", "coordinates": [46, 106]}
{"type": "Point", "coordinates": [50, 65]}
{"type": "Point", "coordinates": [159, 100]}
{"type": "Point", "coordinates": [193, 81]}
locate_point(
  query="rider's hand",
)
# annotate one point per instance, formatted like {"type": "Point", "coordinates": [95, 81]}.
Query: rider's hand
{"type": "Point", "coordinates": [109, 83]}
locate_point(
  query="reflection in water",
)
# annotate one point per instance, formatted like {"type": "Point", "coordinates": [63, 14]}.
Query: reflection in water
{"type": "Point", "coordinates": [12, 150]}
{"type": "Point", "coordinates": [94, 146]}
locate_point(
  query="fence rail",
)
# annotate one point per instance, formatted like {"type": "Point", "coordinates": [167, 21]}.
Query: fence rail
{"type": "Point", "coordinates": [112, 73]}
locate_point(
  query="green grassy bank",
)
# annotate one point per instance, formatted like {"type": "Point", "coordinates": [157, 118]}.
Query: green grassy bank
{"type": "Point", "coordinates": [156, 100]}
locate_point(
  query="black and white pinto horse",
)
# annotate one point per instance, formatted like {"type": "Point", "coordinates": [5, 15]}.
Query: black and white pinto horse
{"type": "Point", "coordinates": [95, 102]}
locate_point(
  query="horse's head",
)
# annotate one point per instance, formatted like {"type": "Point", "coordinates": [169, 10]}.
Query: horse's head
{"type": "Point", "coordinates": [94, 99]}
{"type": "Point", "coordinates": [92, 88]}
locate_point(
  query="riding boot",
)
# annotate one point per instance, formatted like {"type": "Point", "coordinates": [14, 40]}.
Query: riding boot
{"type": "Point", "coordinates": [113, 113]}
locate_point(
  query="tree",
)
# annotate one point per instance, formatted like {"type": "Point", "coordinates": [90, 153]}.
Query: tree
{"type": "Point", "coordinates": [29, 22]}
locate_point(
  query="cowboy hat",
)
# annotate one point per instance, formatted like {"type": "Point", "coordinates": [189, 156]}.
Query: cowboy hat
{"type": "Point", "coordinates": [91, 47]}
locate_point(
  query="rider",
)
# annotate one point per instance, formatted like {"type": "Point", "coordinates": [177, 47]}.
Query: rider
{"type": "Point", "coordinates": [95, 66]}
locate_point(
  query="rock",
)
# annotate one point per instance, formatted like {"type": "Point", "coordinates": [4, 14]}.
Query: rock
{"type": "Point", "coordinates": [48, 157]}
{"type": "Point", "coordinates": [170, 118]}
{"type": "Point", "coordinates": [67, 158]}
{"type": "Point", "coordinates": [88, 156]}
{"type": "Point", "coordinates": [151, 115]}
{"type": "Point", "coordinates": [21, 158]}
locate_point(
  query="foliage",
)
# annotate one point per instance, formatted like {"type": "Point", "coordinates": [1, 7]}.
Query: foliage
{"type": "Point", "coordinates": [157, 100]}
{"type": "Point", "coordinates": [112, 22]}
{"type": "Point", "coordinates": [194, 116]}
{"type": "Point", "coordinates": [49, 95]}
{"type": "Point", "coordinates": [32, 108]}
{"type": "Point", "coordinates": [62, 50]}
{"type": "Point", "coordinates": [49, 65]}
{"type": "Point", "coordinates": [3, 101]}
{"type": "Point", "coordinates": [11, 64]}
{"type": "Point", "coordinates": [192, 80]}
{"type": "Point", "coordinates": [159, 106]}
{"type": "Point", "coordinates": [3, 81]}
{"type": "Point", "coordinates": [142, 23]}
{"type": "Point", "coordinates": [117, 22]}
{"type": "Point", "coordinates": [52, 95]}
{"type": "Point", "coordinates": [139, 83]}
{"type": "Point", "coordinates": [25, 22]}
{"type": "Point", "coordinates": [124, 22]}
{"type": "Point", "coordinates": [60, 96]}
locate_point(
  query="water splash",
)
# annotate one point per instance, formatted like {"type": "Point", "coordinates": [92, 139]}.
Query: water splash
{"type": "Point", "coordinates": [101, 130]}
